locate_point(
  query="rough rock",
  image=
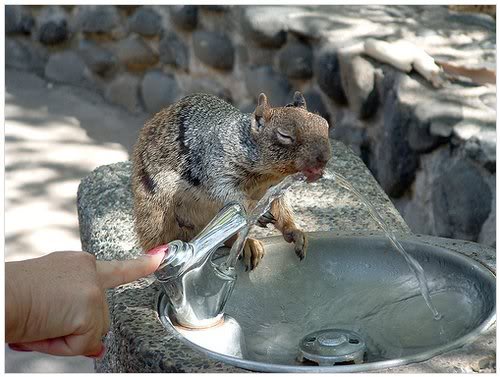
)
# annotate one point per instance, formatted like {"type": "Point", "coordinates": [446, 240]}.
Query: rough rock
{"type": "Point", "coordinates": [209, 86]}
{"type": "Point", "coordinates": [265, 26]}
{"type": "Point", "coordinates": [273, 84]}
{"type": "Point", "coordinates": [97, 18]}
{"type": "Point", "coordinates": [18, 19]}
{"type": "Point", "coordinates": [134, 53]}
{"type": "Point", "coordinates": [482, 150]}
{"type": "Point", "coordinates": [113, 191]}
{"type": "Point", "coordinates": [128, 9]}
{"type": "Point", "coordinates": [327, 70]}
{"type": "Point", "coordinates": [460, 213]}
{"type": "Point", "coordinates": [214, 49]}
{"type": "Point", "coordinates": [247, 107]}
{"type": "Point", "coordinates": [145, 21]}
{"type": "Point", "coordinates": [296, 60]}
{"type": "Point", "coordinates": [461, 114]}
{"type": "Point", "coordinates": [482, 20]}
{"type": "Point", "coordinates": [395, 162]}
{"type": "Point", "coordinates": [52, 25]}
{"type": "Point", "coordinates": [315, 104]}
{"type": "Point", "coordinates": [350, 130]}
{"type": "Point", "coordinates": [357, 76]}
{"type": "Point", "coordinates": [486, 364]}
{"type": "Point", "coordinates": [69, 68]}
{"type": "Point", "coordinates": [255, 55]}
{"type": "Point", "coordinates": [488, 234]}
{"type": "Point", "coordinates": [184, 17]}
{"type": "Point", "coordinates": [425, 112]}
{"type": "Point", "coordinates": [22, 54]}
{"type": "Point", "coordinates": [431, 121]}
{"type": "Point", "coordinates": [124, 91]}
{"type": "Point", "coordinates": [99, 59]}
{"type": "Point", "coordinates": [312, 25]}
{"type": "Point", "coordinates": [173, 51]}
{"type": "Point", "coordinates": [216, 8]}
{"type": "Point", "coordinates": [158, 90]}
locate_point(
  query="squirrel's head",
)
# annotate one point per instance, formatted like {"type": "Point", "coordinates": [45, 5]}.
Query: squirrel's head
{"type": "Point", "coordinates": [291, 139]}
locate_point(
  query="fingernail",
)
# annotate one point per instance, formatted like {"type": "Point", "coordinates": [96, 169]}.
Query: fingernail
{"type": "Point", "coordinates": [158, 250]}
{"type": "Point", "coordinates": [100, 354]}
{"type": "Point", "coordinates": [18, 347]}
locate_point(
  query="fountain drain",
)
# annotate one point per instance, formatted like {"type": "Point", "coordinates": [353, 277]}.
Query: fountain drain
{"type": "Point", "coordinates": [332, 346]}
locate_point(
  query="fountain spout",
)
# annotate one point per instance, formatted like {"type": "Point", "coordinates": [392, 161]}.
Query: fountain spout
{"type": "Point", "coordinates": [197, 290]}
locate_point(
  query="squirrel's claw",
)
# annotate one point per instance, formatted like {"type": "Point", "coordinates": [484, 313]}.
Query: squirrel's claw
{"type": "Point", "coordinates": [252, 253]}
{"type": "Point", "coordinates": [299, 238]}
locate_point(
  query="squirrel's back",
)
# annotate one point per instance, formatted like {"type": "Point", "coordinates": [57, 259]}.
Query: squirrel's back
{"type": "Point", "coordinates": [197, 137]}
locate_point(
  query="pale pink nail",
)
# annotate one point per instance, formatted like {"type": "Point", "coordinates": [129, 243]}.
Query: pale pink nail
{"type": "Point", "coordinates": [158, 250]}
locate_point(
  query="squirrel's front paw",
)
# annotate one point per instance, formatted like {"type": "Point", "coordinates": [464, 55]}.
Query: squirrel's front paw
{"type": "Point", "coordinates": [252, 253]}
{"type": "Point", "coordinates": [299, 238]}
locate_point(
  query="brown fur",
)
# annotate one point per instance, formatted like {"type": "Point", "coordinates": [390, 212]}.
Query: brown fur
{"type": "Point", "coordinates": [170, 202]}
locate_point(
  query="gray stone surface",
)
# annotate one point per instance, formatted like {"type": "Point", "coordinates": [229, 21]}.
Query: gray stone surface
{"type": "Point", "coordinates": [264, 79]}
{"type": "Point", "coordinates": [96, 18]}
{"type": "Point", "coordinates": [209, 86]}
{"type": "Point", "coordinates": [214, 49]}
{"type": "Point", "coordinates": [296, 60]}
{"type": "Point", "coordinates": [173, 51]}
{"type": "Point", "coordinates": [488, 235]}
{"type": "Point", "coordinates": [184, 17]}
{"type": "Point", "coordinates": [216, 8]}
{"type": "Point", "coordinates": [254, 55]}
{"type": "Point", "coordinates": [461, 213]}
{"type": "Point", "coordinates": [69, 68]}
{"type": "Point", "coordinates": [428, 210]}
{"type": "Point", "coordinates": [483, 150]}
{"type": "Point", "coordinates": [418, 100]}
{"type": "Point", "coordinates": [315, 104]}
{"type": "Point", "coordinates": [135, 53]}
{"type": "Point", "coordinates": [124, 91]}
{"type": "Point", "coordinates": [264, 25]}
{"type": "Point", "coordinates": [99, 59]}
{"type": "Point", "coordinates": [395, 162]}
{"type": "Point", "coordinates": [137, 342]}
{"type": "Point", "coordinates": [18, 19]}
{"type": "Point", "coordinates": [145, 21]}
{"type": "Point", "coordinates": [52, 25]}
{"type": "Point", "coordinates": [24, 55]}
{"type": "Point", "coordinates": [327, 71]}
{"type": "Point", "coordinates": [482, 20]}
{"type": "Point", "coordinates": [158, 90]}
{"type": "Point", "coordinates": [357, 76]}
{"type": "Point", "coordinates": [350, 130]}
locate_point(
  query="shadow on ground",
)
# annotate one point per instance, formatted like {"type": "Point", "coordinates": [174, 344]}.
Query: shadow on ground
{"type": "Point", "coordinates": [54, 136]}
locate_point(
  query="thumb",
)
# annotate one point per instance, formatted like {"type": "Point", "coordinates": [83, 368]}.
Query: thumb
{"type": "Point", "coordinates": [115, 273]}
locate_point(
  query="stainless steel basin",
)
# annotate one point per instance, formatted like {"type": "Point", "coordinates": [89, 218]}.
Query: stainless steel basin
{"type": "Point", "coordinates": [356, 284]}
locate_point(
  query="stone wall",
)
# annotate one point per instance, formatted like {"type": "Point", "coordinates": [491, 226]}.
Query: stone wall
{"type": "Point", "coordinates": [432, 150]}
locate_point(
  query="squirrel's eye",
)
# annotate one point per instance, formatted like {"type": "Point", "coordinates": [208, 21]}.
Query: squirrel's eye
{"type": "Point", "coordinates": [284, 137]}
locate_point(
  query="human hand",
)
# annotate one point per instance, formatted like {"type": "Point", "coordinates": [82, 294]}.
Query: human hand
{"type": "Point", "coordinates": [57, 305]}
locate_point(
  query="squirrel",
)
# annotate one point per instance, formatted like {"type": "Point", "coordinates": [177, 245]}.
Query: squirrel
{"type": "Point", "coordinates": [200, 153]}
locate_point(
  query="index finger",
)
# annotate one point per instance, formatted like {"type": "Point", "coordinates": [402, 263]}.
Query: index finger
{"type": "Point", "coordinates": [115, 273]}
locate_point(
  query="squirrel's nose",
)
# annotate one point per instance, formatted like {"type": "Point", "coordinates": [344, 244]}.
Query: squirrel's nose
{"type": "Point", "coordinates": [322, 159]}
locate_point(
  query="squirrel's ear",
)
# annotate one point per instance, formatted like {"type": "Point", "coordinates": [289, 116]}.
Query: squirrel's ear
{"type": "Point", "coordinates": [299, 100]}
{"type": "Point", "coordinates": [262, 107]}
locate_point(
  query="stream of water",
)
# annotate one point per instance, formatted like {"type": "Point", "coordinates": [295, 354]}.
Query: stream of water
{"type": "Point", "coordinates": [276, 191]}
{"type": "Point", "coordinates": [415, 267]}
